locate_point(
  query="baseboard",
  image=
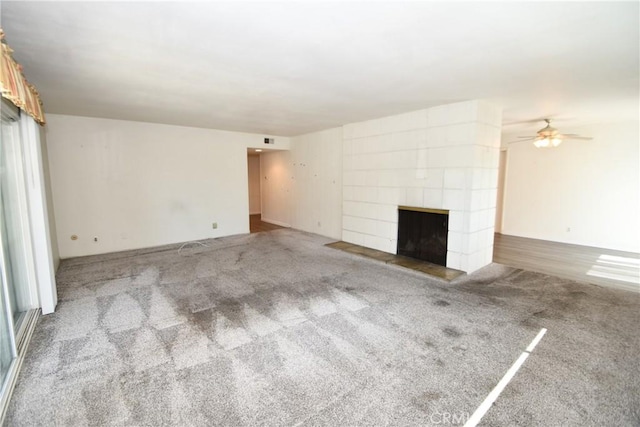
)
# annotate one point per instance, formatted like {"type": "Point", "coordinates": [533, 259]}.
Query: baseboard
{"type": "Point", "coordinates": [280, 223]}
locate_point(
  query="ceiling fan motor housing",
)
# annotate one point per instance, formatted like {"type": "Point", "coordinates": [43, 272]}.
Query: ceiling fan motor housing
{"type": "Point", "coordinates": [548, 131]}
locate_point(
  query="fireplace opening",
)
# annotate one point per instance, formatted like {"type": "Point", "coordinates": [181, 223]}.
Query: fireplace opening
{"type": "Point", "coordinates": [422, 234]}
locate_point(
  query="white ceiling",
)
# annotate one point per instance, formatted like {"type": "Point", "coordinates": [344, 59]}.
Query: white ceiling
{"type": "Point", "coordinates": [292, 68]}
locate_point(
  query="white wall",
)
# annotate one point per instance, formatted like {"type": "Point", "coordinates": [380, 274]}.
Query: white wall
{"type": "Point", "coordinates": [444, 157]}
{"type": "Point", "coordinates": [317, 184]}
{"type": "Point", "coordinates": [254, 184]}
{"type": "Point", "coordinates": [582, 192]}
{"type": "Point", "coordinates": [276, 179]}
{"type": "Point", "coordinates": [303, 188]}
{"type": "Point", "coordinates": [135, 185]}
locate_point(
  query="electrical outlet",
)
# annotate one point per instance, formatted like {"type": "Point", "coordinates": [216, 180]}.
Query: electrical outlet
{"type": "Point", "coordinates": [214, 225]}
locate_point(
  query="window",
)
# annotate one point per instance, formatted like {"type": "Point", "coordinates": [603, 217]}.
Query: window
{"type": "Point", "coordinates": [18, 284]}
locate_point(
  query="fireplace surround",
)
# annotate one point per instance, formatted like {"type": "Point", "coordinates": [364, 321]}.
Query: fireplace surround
{"type": "Point", "coordinates": [443, 157]}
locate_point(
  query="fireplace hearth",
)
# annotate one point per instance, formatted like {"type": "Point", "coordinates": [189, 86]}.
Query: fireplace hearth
{"type": "Point", "coordinates": [422, 234]}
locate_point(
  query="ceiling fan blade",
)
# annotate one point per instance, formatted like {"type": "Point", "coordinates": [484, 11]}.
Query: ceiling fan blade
{"type": "Point", "coordinates": [552, 117]}
{"type": "Point", "coordinates": [522, 140]}
{"type": "Point", "coordinates": [575, 136]}
{"type": "Point", "coordinates": [529, 137]}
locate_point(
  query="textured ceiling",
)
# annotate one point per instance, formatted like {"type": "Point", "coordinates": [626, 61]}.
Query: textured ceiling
{"type": "Point", "coordinates": [292, 68]}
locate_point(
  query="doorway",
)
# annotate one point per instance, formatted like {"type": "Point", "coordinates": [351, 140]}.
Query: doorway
{"type": "Point", "coordinates": [256, 225]}
{"type": "Point", "coordinates": [255, 199]}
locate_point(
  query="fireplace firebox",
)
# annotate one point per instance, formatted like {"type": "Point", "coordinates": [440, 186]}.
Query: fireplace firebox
{"type": "Point", "coordinates": [422, 234]}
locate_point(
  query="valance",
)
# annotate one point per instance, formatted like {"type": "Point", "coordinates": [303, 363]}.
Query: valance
{"type": "Point", "coordinates": [15, 87]}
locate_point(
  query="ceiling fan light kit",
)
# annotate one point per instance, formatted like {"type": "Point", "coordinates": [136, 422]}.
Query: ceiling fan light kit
{"type": "Point", "coordinates": [549, 137]}
{"type": "Point", "coordinates": [547, 142]}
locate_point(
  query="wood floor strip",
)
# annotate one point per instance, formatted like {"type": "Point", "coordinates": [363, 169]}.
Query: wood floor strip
{"type": "Point", "coordinates": [256, 225]}
{"type": "Point", "coordinates": [598, 266]}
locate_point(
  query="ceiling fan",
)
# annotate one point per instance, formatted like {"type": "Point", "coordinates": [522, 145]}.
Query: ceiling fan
{"type": "Point", "coordinates": [549, 137]}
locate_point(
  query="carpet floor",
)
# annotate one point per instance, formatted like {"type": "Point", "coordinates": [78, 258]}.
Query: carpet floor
{"type": "Point", "coordinates": [276, 329]}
